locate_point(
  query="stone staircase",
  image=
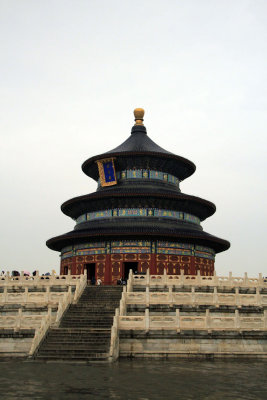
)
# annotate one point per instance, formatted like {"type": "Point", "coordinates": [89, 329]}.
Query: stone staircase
{"type": "Point", "coordinates": [85, 329]}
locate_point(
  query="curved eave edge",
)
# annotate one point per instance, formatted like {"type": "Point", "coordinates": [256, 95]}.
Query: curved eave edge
{"type": "Point", "coordinates": [101, 195]}
{"type": "Point", "coordinates": [219, 245]}
{"type": "Point", "coordinates": [90, 161]}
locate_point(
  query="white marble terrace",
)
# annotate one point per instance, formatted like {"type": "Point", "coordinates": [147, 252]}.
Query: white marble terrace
{"type": "Point", "coordinates": [29, 303]}
{"type": "Point", "coordinates": [215, 292]}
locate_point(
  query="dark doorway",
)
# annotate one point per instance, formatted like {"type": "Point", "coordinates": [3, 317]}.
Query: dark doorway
{"type": "Point", "coordinates": [90, 271]}
{"type": "Point", "coordinates": [127, 266]}
{"type": "Point", "coordinates": [66, 269]}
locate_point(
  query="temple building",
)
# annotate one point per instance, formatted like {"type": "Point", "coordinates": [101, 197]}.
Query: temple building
{"type": "Point", "coordinates": [138, 218]}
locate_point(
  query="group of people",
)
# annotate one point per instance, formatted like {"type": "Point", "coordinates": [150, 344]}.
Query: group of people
{"type": "Point", "coordinates": [15, 273]}
{"type": "Point", "coordinates": [98, 282]}
{"type": "Point", "coordinates": [121, 281]}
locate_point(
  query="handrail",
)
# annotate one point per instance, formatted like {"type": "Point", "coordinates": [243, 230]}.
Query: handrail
{"type": "Point", "coordinates": [194, 298]}
{"type": "Point", "coordinates": [82, 283]}
{"type": "Point", "coordinates": [203, 322]}
{"type": "Point", "coordinates": [63, 305]}
{"type": "Point", "coordinates": [114, 339]}
{"type": "Point", "coordinates": [40, 333]}
{"type": "Point", "coordinates": [38, 280]}
{"type": "Point", "coordinates": [195, 280]}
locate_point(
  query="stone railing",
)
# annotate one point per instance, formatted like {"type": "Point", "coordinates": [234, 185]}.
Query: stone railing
{"type": "Point", "coordinates": [37, 280]}
{"type": "Point", "coordinates": [194, 298]}
{"type": "Point", "coordinates": [66, 300]}
{"type": "Point", "coordinates": [193, 280]}
{"type": "Point", "coordinates": [26, 297]}
{"type": "Point", "coordinates": [40, 334]}
{"type": "Point", "coordinates": [40, 323]}
{"type": "Point", "coordinates": [20, 321]}
{"type": "Point", "coordinates": [80, 286]}
{"type": "Point", "coordinates": [114, 340]}
{"type": "Point", "coordinates": [63, 305]}
{"type": "Point", "coordinates": [210, 322]}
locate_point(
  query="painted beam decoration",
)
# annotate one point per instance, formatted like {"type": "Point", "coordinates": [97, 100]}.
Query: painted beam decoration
{"type": "Point", "coordinates": [107, 172]}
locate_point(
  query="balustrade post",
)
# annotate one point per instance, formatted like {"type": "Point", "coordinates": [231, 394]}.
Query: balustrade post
{"type": "Point", "coordinates": [177, 316]}
{"type": "Point", "coordinates": [68, 277]}
{"type": "Point", "coordinates": [165, 276]}
{"type": "Point", "coordinates": [182, 276]}
{"type": "Point", "coordinates": [26, 294]}
{"type": "Point", "coordinates": [147, 296]}
{"type": "Point", "coordinates": [237, 297]}
{"type": "Point", "coordinates": [122, 304]}
{"type": "Point", "coordinates": [18, 324]}
{"type": "Point", "coordinates": [47, 293]}
{"type": "Point", "coordinates": [260, 279]}
{"type": "Point", "coordinates": [258, 296]}
{"type": "Point", "coordinates": [147, 319]}
{"type": "Point", "coordinates": [198, 277]}
{"type": "Point", "coordinates": [207, 319]}
{"type": "Point", "coordinates": [230, 278]}
{"type": "Point", "coordinates": [237, 319]}
{"type": "Point", "coordinates": [7, 278]}
{"type": "Point", "coordinates": [130, 281]}
{"type": "Point", "coordinates": [215, 296]}
{"type": "Point", "coordinates": [193, 295]}
{"type": "Point", "coordinates": [215, 279]}
{"type": "Point", "coordinates": [147, 277]}
{"type": "Point", "coordinates": [170, 296]}
{"type": "Point", "coordinates": [245, 278]}
{"type": "Point", "coordinates": [53, 277]}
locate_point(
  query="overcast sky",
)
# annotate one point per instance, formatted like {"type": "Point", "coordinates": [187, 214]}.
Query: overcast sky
{"type": "Point", "coordinates": [73, 71]}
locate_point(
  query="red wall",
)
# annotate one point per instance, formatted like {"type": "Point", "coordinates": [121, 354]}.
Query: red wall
{"type": "Point", "coordinates": [110, 267]}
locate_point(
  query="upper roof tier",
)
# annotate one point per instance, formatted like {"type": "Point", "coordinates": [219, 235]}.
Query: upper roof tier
{"type": "Point", "coordinates": [144, 152]}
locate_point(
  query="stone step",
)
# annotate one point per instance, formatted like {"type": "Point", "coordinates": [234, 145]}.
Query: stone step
{"type": "Point", "coordinates": [69, 357]}
{"type": "Point", "coordinates": [76, 343]}
{"type": "Point", "coordinates": [95, 332]}
{"type": "Point", "coordinates": [81, 351]}
{"type": "Point", "coordinates": [79, 330]}
{"type": "Point", "coordinates": [85, 330]}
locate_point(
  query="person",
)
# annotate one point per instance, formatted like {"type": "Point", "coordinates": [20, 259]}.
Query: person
{"type": "Point", "coordinates": [93, 281]}
{"type": "Point", "coordinates": [98, 281]}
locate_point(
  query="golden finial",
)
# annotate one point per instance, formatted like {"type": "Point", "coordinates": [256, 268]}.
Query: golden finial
{"type": "Point", "coordinates": [139, 116]}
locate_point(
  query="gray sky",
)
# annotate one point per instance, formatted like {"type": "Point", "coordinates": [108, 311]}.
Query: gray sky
{"type": "Point", "coordinates": [71, 74]}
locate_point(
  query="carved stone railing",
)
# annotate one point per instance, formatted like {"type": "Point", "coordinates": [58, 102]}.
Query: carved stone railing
{"type": "Point", "coordinates": [206, 322]}
{"type": "Point", "coordinates": [40, 323]}
{"type": "Point", "coordinates": [114, 340]}
{"type": "Point", "coordinates": [19, 321]}
{"type": "Point", "coordinates": [195, 298]}
{"type": "Point", "coordinates": [195, 280]}
{"type": "Point", "coordinates": [40, 334]}
{"type": "Point", "coordinates": [81, 285]}
{"type": "Point", "coordinates": [37, 280]}
{"type": "Point", "coordinates": [65, 302]}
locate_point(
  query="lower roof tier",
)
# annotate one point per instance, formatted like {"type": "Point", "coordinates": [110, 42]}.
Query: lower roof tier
{"type": "Point", "coordinates": [128, 232]}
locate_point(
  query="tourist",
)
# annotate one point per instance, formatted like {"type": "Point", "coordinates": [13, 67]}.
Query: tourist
{"type": "Point", "coordinates": [98, 281]}
{"type": "Point", "coordinates": [93, 281]}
